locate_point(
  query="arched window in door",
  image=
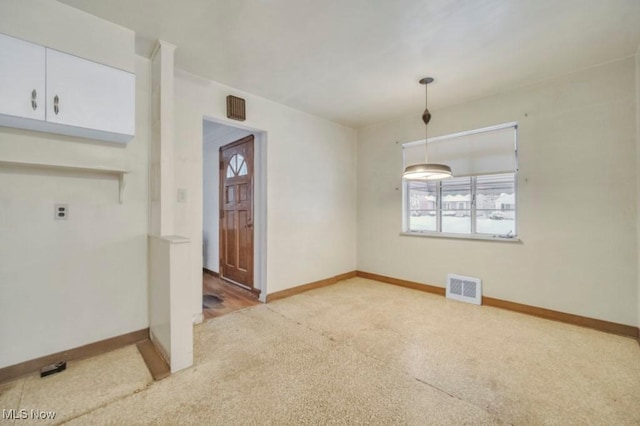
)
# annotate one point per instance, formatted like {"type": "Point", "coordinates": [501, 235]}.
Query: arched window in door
{"type": "Point", "coordinates": [237, 166]}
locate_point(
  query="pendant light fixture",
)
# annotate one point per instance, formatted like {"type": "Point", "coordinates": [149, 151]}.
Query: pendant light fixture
{"type": "Point", "coordinates": [426, 171]}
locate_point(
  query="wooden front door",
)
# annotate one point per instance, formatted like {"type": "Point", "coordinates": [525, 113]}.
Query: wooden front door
{"type": "Point", "coordinates": [236, 212]}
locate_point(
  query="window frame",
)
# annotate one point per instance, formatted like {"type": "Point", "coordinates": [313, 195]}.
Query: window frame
{"type": "Point", "coordinates": [473, 214]}
{"type": "Point", "coordinates": [473, 235]}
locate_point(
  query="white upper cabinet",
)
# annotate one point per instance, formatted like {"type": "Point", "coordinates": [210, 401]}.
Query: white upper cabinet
{"type": "Point", "coordinates": [46, 90]}
{"type": "Point", "coordinates": [22, 79]}
{"type": "Point", "coordinates": [85, 94]}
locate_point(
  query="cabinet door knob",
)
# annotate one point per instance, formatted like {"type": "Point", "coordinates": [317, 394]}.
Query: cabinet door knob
{"type": "Point", "coordinates": [56, 102]}
{"type": "Point", "coordinates": [34, 96]}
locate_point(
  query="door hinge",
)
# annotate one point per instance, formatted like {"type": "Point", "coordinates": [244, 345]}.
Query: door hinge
{"type": "Point", "coordinates": [221, 214]}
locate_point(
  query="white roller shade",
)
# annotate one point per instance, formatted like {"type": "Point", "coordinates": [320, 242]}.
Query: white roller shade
{"type": "Point", "coordinates": [479, 152]}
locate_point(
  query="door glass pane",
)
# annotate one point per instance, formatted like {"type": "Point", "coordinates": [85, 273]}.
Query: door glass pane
{"type": "Point", "coordinates": [456, 205]}
{"type": "Point", "coordinates": [243, 169]}
{"type": "Point", "coordinates": [496, 204]}
{"type": "Point", "coordinates": [422, 205]}
{"type": "Point", "coordinates": [239, 160]}
{"type": "Point", "coordinates": [237, 166]}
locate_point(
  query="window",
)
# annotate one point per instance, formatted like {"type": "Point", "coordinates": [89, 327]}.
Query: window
{"type": "Point", "coordinates": [496, 204]}
{"type": "Point", "coordinates": [476, 205]}
{"type": "Point", "coordinates": [455, 199]}
{"type": "Point", "coordinates": [480, 202]}
{"type": "Point", "coordinates": [237, 166]}
{"type": "Point", "coordinates": [423, 205]}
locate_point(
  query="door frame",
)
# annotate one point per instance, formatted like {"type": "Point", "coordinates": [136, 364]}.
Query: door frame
{"type": "Point", "coordinates": [259, 202]}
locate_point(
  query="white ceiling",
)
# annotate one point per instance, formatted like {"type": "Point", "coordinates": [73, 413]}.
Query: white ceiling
{"type": "Point", "coordinates": [358, 62]}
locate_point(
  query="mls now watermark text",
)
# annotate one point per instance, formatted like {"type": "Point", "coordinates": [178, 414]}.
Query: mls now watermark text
{"type": "Point", "coordinates": [24, 414]}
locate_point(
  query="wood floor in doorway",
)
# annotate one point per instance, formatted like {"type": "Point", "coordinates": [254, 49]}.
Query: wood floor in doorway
{"type": "Point", "coordinates": [220, 297]}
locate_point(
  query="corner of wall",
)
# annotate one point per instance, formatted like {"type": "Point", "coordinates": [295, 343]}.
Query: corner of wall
{"type": "Point", "coordinates": [638, 167]}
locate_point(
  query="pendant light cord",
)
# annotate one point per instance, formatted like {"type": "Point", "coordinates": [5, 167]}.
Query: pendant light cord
{"type": "Point", "coordinates": [426, 125]}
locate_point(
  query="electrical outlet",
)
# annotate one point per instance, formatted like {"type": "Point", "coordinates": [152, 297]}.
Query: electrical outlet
{"type": "Point", "coordinates": [61, 212]}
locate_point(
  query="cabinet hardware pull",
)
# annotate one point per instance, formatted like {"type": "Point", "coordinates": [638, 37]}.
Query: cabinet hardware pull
{"type": "Point", "coordinates": [56, 101]}
{"type": "Point", "coordinates": [34, 96]}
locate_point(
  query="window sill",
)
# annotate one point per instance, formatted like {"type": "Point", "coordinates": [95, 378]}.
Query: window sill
{"type": "Point", "coordinates": [462, 237]}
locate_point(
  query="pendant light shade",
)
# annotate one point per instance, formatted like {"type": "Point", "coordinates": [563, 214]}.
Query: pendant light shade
{"type": "Point", "coordinates": [426, 171]}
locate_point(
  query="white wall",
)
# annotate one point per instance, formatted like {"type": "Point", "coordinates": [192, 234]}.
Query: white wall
{"type": "Point", "coordinates": [311, 184]}
{"type": "Point", "coordinates": [58, 26]}
{"type": "Point", "coordinates": [68, 283]}
{"type": "Point", "coordinates": [170, 318]}
{"type": "Point", "coordinates": [577, 197]}
{"type": "Point", "coordinates": [214, 137]}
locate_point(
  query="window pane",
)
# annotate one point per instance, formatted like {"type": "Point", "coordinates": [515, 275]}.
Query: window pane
{"type": "Point", "coordinates": [456, 205]}
{"type": "Point", "coordinates": [456, 222]}
{"type": "Point", "coordinates": [239, 161]}
{"type": "Point", "coordinates": [243, 169]}
{"type": "Point", "coordinates": [237, 166]}
{"type": "Point", "coordinates": [422, 206]}
{"type": "Point", "coordinates": [231, 168]}
{"type": "Point", "coordinates": [496, 204]}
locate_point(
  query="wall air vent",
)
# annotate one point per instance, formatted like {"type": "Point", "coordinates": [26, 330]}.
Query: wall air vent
{"type": "Point", "coordinates": [236, 108]}
{"type": "Point", "coordinates": [464, 289]}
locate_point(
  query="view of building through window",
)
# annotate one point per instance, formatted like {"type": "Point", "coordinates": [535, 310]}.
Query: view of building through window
{"type": "Point", "coordinates": [484, 205]}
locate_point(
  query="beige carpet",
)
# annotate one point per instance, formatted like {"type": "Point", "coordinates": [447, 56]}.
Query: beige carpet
{"type": "Point", "coordinates": [360, 352]}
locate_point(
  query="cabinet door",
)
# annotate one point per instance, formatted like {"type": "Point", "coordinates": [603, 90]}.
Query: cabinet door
{"type": "Point", "coordinates": [86, 94]}
{"type": "Point", "coordinates": [22, 78]}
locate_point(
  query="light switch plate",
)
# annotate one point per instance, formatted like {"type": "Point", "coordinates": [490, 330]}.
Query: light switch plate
{"type": "Point", "coordinates": [182, 195]}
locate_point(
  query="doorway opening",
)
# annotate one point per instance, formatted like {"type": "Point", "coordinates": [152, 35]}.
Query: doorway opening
{"type": "Point", "coordinates": [220, 297]}
{"type": "Point", "coordinates": [234, 211]}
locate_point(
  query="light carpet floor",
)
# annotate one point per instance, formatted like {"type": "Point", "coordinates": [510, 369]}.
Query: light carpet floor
{"type": "Point", "coordinates": [359, 352]}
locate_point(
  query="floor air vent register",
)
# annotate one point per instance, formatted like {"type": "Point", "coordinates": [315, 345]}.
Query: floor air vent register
{"type": "Point", "coordinates": [464, 289]}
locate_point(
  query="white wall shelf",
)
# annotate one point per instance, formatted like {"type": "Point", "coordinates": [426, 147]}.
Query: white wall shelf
{"type": "Point", "coordinates": [121, 174]}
